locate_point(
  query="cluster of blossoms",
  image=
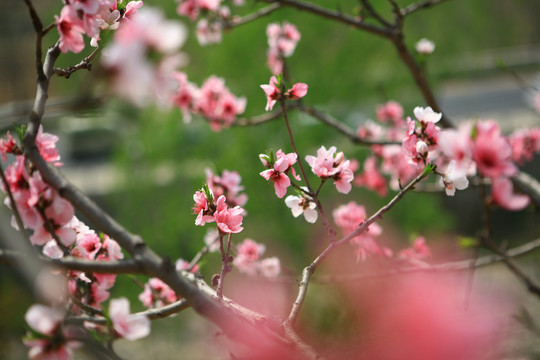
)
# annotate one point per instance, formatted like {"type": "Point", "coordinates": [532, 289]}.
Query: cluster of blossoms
{"type": "Point", "coordinates": [59, 233]}
{"type": "Point", "coordinates": [50, 338]}
{"type": "Point", "coordinates": [90, 288]}
{"type": "Point", "coordinates": [89, 17]}
{"type": "Point", "coordinates": [279, 166]}
{"type": "Point", "coordinates": [228, 219]}
{"type": "Point", "coordinates": [143, 56]}
{"type": "Point", "coordinates": [282, 41]}
{"type": "Point", "coordinates": [158, 294]}
{"type": "Point", "coordinates": [40, 207]}
{"type": "Point", "coordinates": [248, 260]}
{"type": "Point", "coordinates": [213, 101]}
{"type": "Point", "coordinates": [274, 92]}
{"type": "Point", "coordinates": [209, 28]}
{"type": "Point", "coordinates": [350, 216]}
{"type": "Point", "coordinates": [477, 148]}
{"type": "Point", "coordinates": [227, 184]}
{"type": "Point", "coordinates": [329, 165]}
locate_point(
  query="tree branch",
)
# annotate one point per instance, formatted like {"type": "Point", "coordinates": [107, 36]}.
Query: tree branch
{"type": "Point", "coordinates": [309, 270]}
{"type": "Point", "coordinates": [336, 16]}
{"type": "Point", "coordinates": [238, 21]}
{"type": "Point", "coordinates": [84, 64]}
{"type": "Point", "coordinates": [419, 6]}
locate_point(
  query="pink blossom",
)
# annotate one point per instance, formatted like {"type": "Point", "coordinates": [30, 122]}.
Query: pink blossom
{"type": "Point", "coordinates": [70, 29]}
{"type": "Point", "coordinates": [227, 184]}
{"type": "Point", "coordinates": [208, 32]}
{"type": "Point", "coordinates": [269, 267]}
{"type": "Point", "coordinates": [328, 164]}
{"type": "Point", "coordinates": [278, 177]}
{"type": "Point", "coordinates": [248, 254]}
{"type": "Point", "coordinates": [348, 218]}
{"type": "Point", "coordinates": [390, 111]}
{"type": "Point", "coordinates": [491, 151]}
{"type": "Point", "coordinates": [457, 146]}
{"type": "Point", "coordinates": [202, 208]}
{"type": "Point", "coordinates": [272, 93]}
{"type": "Point", "coordinates": [157, 294]}
{"type": "Point", "coordinates": [298, 90]}
{"type": "Point", "coordinates": [283, 38]}
{"type": "Point", "coordinates": [130, 327]}
{"type": "Point", "coordinates": [55, 344]}
{"type": "Point", "coordinates": [525, 143]}
{"type": "Point", "coordinates": [8, 146]}
{"type": "Point", "coordinates": [371, 178]}
{"type": "Point", "coordinates": [228, 220]}
{"type": "Point", "coordinates": [418, 251]}
{"type": "Point", "coordinates": [502, 192]}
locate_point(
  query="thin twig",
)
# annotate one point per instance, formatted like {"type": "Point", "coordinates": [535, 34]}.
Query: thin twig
{"type": "Point", "coordinates": [257, 120]}
{"type": "Point", "coordinates": [375, 14]}
{"type": "Point", "coordinates": [84, 64]}
{"type": "Point", "coordinates": [419, 6]}
{"type": "Point", "coordinates": [309, 270]}
{"type": "Point", "coordinates": [340, 127]}
{"type": "Point", "coordinates": [38, 27]}
{"type": "Point", "coordinates": [238, 21]}
{"type": "Point", "coordinates": [336, 16]}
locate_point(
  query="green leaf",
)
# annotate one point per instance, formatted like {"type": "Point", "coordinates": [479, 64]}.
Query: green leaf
{"type": "Point", "coordinates": [467, 242]}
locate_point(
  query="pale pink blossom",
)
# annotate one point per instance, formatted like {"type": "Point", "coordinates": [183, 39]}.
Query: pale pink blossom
{"type": "Point", "coordinates": [228, 220]}
{"type": "Point", "coordinates": [157, 294]}
{"type": "Point", "coordinates": [248, 254]}
{"type": "Point", "coordinates": [283, 38]}
{"type": "Point", "coordinates": [302, 205]}
{"type": "Point", "coordinates": [128, 326]}
{"type": "Point", "coordinates": [425, 46]}
{"type": "Point", "coordinates": [454, 178]}
{"type": "Point", "coordinates": [419, 250]}
{"type": "Point", "coordinates": [269, 267]}
{"type": "Point", "coordinates": [457, 144]}
{"type": "Point", "coordinates": [208, 32]}
{"type": "Point", "coordinates": [502, 193]}
{"type": "Point", "coordinates": [426, 115]}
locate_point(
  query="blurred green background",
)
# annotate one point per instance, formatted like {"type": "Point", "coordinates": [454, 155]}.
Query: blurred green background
{"type": "Point", "coordinates": [157, 162]}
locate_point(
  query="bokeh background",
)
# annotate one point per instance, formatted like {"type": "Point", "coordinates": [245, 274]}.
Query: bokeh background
{"type": "Point", "coordinates": [144, 164]}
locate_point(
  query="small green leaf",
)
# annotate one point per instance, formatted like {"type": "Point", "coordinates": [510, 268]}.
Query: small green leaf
{"type": "Point", "coordinates": [467, 242]}
{"type": "Point", "coordinates": [20, 130]}
{"type": "Point", "coordinates": [429, 169]}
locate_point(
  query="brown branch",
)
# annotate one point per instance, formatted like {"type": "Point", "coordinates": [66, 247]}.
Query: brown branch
{"type": "Point", "coordinates": [257, 120]}
{"type": "Point", "coordinates": [84, 64]}
{"type": "Point", "coordinates": [38, 27]}
{"type": "Point", "coordinates": [419, 6]}
{"type": "Point", "coordinates": [340, 127]}
{"type": "Point", "coordinates": [309, 270]}
{"type": "Point", "coordinates": [128, 266]}
{"type": "Point", "coordinates": [375, 14]}
{"type": "Point", "coordinates": [238, 21]}
{"type": "Point", "coordinates": [336, 16]}
{"type": "Point", "coordinates": [529, 185]}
